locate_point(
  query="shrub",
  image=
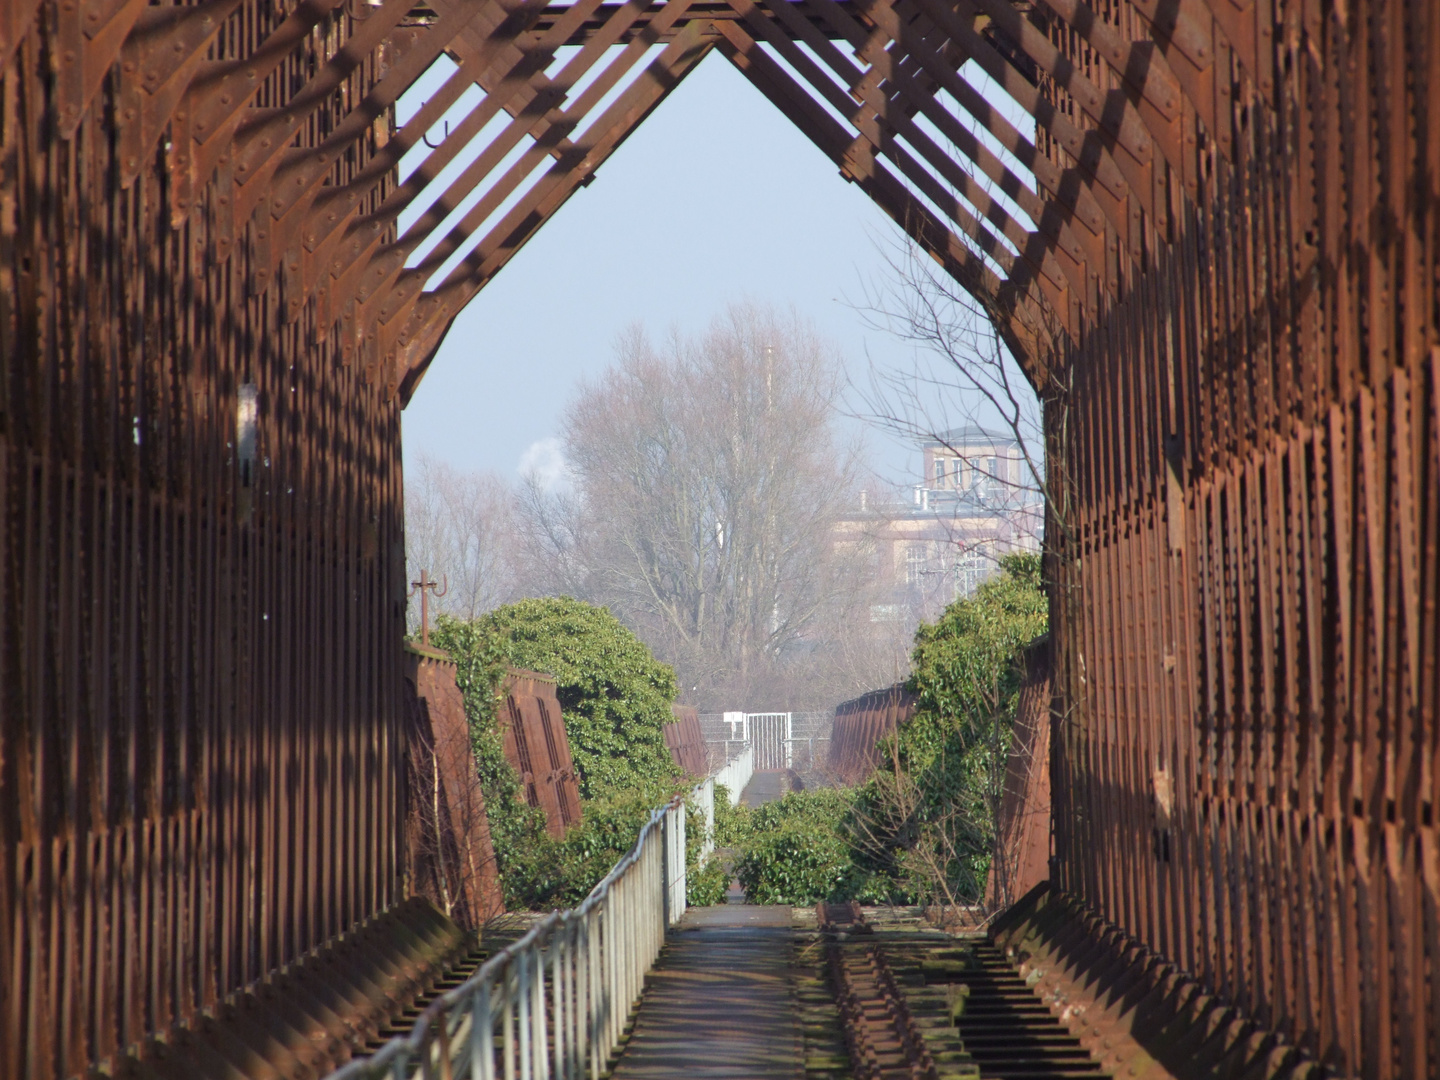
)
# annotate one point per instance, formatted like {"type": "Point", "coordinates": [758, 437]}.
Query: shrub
{"type": "Point", "coordinates": [615, 695]}
{"type": "Point", "coordinates": [549, 874]}
{"type": "Point", "coordinates": [796, 851]}
{"type": "Point", "coordinates": [732, 823]}
{"type": "Point", "coordinates": [927, 816]}
{"type": "Point", "coordinates": [708, 884]}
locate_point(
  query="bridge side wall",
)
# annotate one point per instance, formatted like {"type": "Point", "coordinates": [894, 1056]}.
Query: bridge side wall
{"type": "Point", "coordinates": [537, 745]}
{"type": "Point", "coordinates": [860, 724]}
{"type": "Point", "coordinates": [1245, 544]}
{"type": "Point", "coordinates": [199, 672]}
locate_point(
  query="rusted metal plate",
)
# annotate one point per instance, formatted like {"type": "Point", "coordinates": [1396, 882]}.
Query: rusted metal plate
{"type": "Point", "coordinates": [1020, 859]}
{"type": "Point", "coordinates": [860, 724]}
{"type": "Point", "coordinates": [450, 856]}
{"type": "Point", "coordinates": [538, 747]}
{"type": "Point", "coordinates": [686, 742]}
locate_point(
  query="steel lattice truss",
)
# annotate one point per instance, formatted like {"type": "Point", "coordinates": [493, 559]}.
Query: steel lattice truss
{"type": "Point", "coordinates": [1209, 230]}
{"type": "Point", "coordinates": [256, 110]}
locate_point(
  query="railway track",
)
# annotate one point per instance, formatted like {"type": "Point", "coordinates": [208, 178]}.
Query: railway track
{"type": "Point", "coordinates": [496, 936]}
{"type": "Point", "coordinates": [402, 1022]}
{"type": "Point", "coordinates": [921, 1005]}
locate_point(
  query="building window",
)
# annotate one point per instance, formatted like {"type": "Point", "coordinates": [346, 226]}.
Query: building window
{"type": "Point", "coordinates": [914, 564]}
{"type": "Point", "coordinates": [939, 472]}
{"type": "Point", "coordinates": [970, 571]}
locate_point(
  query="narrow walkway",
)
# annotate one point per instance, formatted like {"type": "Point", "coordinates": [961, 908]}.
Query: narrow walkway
{"type": "Point", "coordinates": [765, 787]}
{"type": "Point", "coordinates": [719, 1003]}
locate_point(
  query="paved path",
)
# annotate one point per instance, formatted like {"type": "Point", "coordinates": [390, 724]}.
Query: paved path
{"type": "Point", "coordinates": [765, 787]}
{"type": "Point", "coordinates": [719, 1004]}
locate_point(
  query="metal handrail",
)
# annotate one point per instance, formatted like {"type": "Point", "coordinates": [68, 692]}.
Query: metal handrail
{"type": "Point", "coordinates": [509, 1020]}
{"type": "Point", "coordinates": [736, 773]}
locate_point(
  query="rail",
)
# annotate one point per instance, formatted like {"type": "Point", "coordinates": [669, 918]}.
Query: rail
{"type": "Point", "coordinates": [737, 773]}
{"type": "Point", "coordinates": [553, 1004]}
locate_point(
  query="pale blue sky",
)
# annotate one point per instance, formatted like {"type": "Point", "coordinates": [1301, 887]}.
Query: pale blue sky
{"type": "Point", "coordinates": [717, 197]}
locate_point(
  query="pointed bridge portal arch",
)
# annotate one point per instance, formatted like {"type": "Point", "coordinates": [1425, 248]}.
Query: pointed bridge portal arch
{"type": "Point", "coordinates": [1212, 244]}
{"type": "Point", "coordinates": [1039, 227]}
{"type": "Point", "coordinates": [877, 86]}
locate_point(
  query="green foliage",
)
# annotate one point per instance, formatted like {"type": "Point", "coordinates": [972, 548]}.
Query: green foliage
{"type": "Point", "coordinates": [796, 850]}
{"type": "Point", "coordinates": [927, 816]}
{"type": "Point", "coordinates": [964, 664]}
{"type": "Point", "coordinates": [615, 698]}
{"type": "Point", "coordinates": [708, 884]}
{"type": "Point", "coordinates": [705, 883]}
{"type": "Point", "coordinates": [615, 695]}
{"type": "Point", "coordinates": [732, 823]}
{"type": "Point", "coordinates": [551, 874]}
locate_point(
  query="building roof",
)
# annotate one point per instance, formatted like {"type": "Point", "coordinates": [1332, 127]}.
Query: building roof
{"type": "Point", "coordinates": [971, 435]}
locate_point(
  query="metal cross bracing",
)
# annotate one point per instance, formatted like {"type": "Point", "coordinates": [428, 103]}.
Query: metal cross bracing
{"type": "Point", "coordinates": [873, 84]}
{"type": "Point", "coordinates": [1214, 256]}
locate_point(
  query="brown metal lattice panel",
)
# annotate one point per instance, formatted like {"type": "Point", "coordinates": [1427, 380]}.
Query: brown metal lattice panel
{"type": "Point", "coordinates": [860, 724]}
{"type": "Point", "coordinates": [1219, 271]}
{"type": "Point", "coordinates": [537, 746]}
{"type": "Point", "coordinates": [200, 535]}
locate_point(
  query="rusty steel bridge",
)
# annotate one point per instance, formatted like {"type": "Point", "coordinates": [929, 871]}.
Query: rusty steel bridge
{"type": "Point", "coordinates": [1216, 257]}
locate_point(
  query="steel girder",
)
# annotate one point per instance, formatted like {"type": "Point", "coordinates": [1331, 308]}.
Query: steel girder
{"type": "Point", "coordinates": [1215, 256]}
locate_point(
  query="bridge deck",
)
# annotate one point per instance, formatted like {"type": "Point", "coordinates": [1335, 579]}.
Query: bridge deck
{"type": "Point", "coordinates": [720, 1002]}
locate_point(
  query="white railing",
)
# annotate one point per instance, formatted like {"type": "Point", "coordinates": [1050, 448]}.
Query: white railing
{"type": "Point", "coordinates": [702, 798]}
{"type": "Point", "coordinates": [737, 773]}
{"type": "Point", "coordinates": [553, 1005]}
{"type": "Point", "coordinates": [770, 735]}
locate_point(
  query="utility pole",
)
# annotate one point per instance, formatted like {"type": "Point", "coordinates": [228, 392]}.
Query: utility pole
{"type": "Point", "coordinates": [425, 586]}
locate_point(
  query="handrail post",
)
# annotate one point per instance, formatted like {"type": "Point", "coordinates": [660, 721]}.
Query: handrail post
{"type": "Point", "coordinates": [598, 955]}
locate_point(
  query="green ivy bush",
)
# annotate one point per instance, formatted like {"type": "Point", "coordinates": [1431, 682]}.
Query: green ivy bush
{"type": "Point", "coordinates": [797, 850]}
{"type": "Point", "coordinates": [705, 883]}
{"type": "Point", "coordinates": [927, 815]}
{"type": "Point", "coordinates": [921, 828]}
{"type": "Point", "coordinates": [732, 823]}
{"type": "Point", "coordinates": [615, 697]}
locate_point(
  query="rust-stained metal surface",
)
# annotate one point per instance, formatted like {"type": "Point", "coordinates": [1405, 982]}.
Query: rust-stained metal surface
{"type": "Point", "coordinates": [450, 857]}
{"type": "Point", "coordinates": [537, 745]}
{"type": "Point", "coordinates": [201, 600]}
{"type": "Point", "coordinates": [1138, 1014]}
{"type": "Point", "coordinates": [315, 1015]}
{"type": "Point", "coordinates": [1246, 543]}
{"type": "Point", "coordinates": [1020, 859]}
{"type": "Point", "coordinates": [1214, 255]}
{"type": "Point", "coordinates": [686, 743]}
{"type": "Point", "coordinates": [882, 1037]}
{"type": "Point", "coordinates": [860, 724]}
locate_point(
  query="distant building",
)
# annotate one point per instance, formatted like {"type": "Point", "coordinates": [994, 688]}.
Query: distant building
{"type": "Point", "coordinates": [971, 460]}
{"type": "Point", "coordinates": [976, 504]}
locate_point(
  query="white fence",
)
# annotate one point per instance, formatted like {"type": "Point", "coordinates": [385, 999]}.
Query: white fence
{"type": "Point", "coordinates": [702, 798]}
{"type": "Point", "coordinates": [770, 736]}
{"type": "Point", "coordinates": [795, 740]}
{"type": "Point", "coordinates": [737, 773]}
{"type": "Point", "coordinates": [554, 1004]}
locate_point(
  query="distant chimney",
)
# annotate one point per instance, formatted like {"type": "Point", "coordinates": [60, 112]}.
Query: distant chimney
{"type": "Point", "coordinates": [863, 493]}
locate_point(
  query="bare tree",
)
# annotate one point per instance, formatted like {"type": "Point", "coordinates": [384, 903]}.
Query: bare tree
{"type": "Point", "coordinates": [963, 378]}
{"type": "Point", "coordinates": [707, 478]}
{"type": "Point", "coordinates": [964, 373]}
{"type": "Point", "coordinates": [460, 527]}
